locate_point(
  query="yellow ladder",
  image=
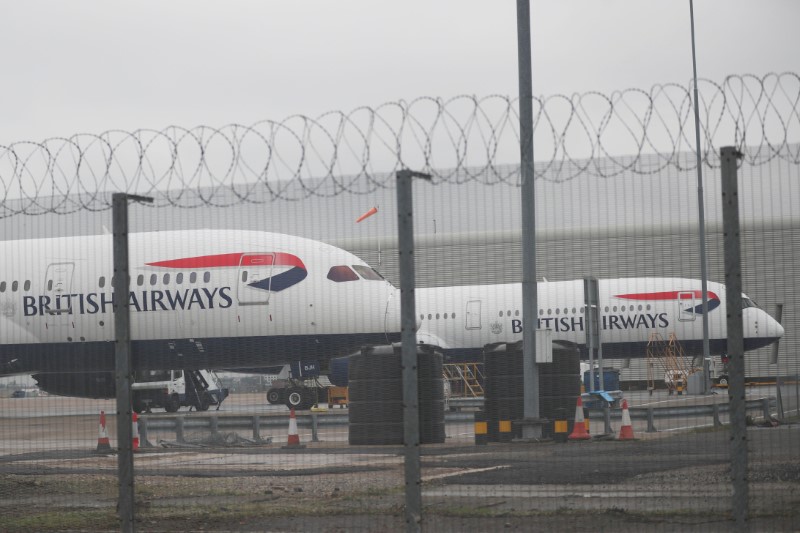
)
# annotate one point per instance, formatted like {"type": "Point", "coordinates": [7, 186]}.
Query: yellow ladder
{"type": "Point", "coordinates": [464, 378]}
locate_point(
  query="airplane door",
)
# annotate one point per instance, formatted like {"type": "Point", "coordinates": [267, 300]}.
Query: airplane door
{"type": "Point", "coordinates": [686, 304]}
{"type": "Point", "coordinates": [58, 287]}
{"type": "Point", "coordinates": [255, 271]}
{"type": "Point", "coordinates": [473, 314]}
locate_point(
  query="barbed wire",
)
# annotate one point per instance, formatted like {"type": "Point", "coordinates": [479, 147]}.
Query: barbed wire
{"type": "Point", "coordinates": [461, 139]}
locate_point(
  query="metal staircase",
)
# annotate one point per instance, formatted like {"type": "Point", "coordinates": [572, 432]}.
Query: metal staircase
{"type": "Point", "coordinates": [465, 379]}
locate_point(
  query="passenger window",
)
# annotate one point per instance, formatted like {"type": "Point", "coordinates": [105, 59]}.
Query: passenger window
{"type": "Point", "coordinates": [2, 286]}
{"type": "Point", "coordinates": [50, 285]}
{"type": "Point", "coordinates": [14, 286]}
{"type": "Point", "coordinates": [193, 277]}
{"type": "Point", "coordinates": [153, 279]}
{"type": "Point", "coordinates": [179, 278]}
{"type": "Point", "coordinates": [342, 273]}
{"type": "Point", "coordinates": [140, 280]}
{"type": "Point", "coordinates": [166, 279]}
{"type": "Point", "coordinates": [27, 285]}
{"type": "Point", "coordinates": [207, 277]}
{"type": "Point", "coordinates": [101, 282]}
{"type": "Point", "coordinates": [367, 273]}
{"type": "Point", "coordinates": [244, 276]}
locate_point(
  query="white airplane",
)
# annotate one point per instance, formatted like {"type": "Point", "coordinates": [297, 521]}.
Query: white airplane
{"type": "Point", "coordinates": [204, 299]}
{"type": "Point", "coordinates": [461, 320]}
{"type": "Point", "coordinates": [230, 299]}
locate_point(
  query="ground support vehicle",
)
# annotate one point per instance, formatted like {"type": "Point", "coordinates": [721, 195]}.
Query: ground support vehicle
{"type": "Point", "coordinates": [173, 389]}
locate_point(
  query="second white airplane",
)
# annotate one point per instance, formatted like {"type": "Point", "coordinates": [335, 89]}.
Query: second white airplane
{"type": "Point", "coordinates": [461, 320]}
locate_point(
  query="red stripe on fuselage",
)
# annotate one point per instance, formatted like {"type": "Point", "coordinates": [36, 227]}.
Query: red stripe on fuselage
{"type": "Point", "coordinates": [667, 295]}
{"type": "Point", "coordinates": [232, 260]}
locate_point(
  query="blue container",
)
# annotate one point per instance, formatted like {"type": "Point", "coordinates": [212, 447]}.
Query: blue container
{"type": "Point", "coordinates": [338, 371]}
{"type": "Point", "coordinates": [610, 379]}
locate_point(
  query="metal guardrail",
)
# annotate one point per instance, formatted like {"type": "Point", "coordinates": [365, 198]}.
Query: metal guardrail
{"type": "Point", "coordinates": [217, 423]}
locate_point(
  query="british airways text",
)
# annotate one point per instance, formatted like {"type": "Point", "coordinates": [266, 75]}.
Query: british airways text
{"type": "Point", "coordinates": [608, 322]}
{"type": "Point", "coordinates": [101, 302]}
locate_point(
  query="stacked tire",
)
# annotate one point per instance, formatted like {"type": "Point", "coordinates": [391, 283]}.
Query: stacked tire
{"type": "Point", "coordinates": [375, 380]}
{"type": "Point", "coordinates": [559, 386]}
{"type": "Point", "coordinates": [503, 390]}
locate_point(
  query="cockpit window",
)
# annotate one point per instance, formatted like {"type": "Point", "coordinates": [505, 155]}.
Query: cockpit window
{"type": "Point", "coordinates": [367, 272]}
{"type": "Point", "coordinates": [747, 302]}
{"type": "Point", "coordinates": [342, 273]}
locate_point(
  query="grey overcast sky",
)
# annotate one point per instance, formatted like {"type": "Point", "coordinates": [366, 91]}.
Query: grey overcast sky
{"type": "Point", "coordinates": [94, 65]}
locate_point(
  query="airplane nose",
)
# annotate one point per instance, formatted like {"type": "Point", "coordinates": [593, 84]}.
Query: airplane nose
{"type": "Point", "coordinates": [778, 329]}
{"type": "Point", "coordinates": [773, 329]}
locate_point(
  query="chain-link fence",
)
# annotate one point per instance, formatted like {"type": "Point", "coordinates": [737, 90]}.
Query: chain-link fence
{"type": "Point", "coordinates": [266, 394]}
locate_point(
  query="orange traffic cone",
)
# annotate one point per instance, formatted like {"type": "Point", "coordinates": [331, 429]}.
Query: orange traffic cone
{"type": "Point", "coordinates": [103, 445]}
{"type": "Point", "coordinates": [135, 432]}
{"type": "Point", "coordinates": [626, 431]}
{"type": "Point", "coordinates": [293, 440]}
{"type": "Point", "coordinates": [579, 428]}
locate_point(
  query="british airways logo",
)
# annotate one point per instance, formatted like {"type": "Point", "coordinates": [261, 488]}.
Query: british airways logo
{"type": "Point", "coordinates": [275, 282]}
{"type": "Point", "coordinates": [681, 296]}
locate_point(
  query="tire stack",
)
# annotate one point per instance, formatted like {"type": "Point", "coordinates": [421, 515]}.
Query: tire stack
{"type": "Point", "coordinates": [559, 387]}
{"type": "Point", "coordinates": [375, 380]}
{"type": "Point", "coordinates": [503, 389]}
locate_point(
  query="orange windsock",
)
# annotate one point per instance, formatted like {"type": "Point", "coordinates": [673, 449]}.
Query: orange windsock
{"type": "Point", "coordinates": [367, 214]}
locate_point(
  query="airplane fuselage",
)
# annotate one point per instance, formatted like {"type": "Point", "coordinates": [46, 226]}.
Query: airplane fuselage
{"type": "Point", "coordinates": [633, 311]}
{"type": "Point", "coordinates": [198, 299]}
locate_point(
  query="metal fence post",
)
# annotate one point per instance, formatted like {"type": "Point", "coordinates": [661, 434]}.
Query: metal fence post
{"type": "Point", "coordinates": [729, 157]}
{"type": "Point", "coordinates": [651, 427]}
{"type": "Point", "coordinates": [408, 336]}
{"type": "Point", "coordinates": [532, 426]}
{"type": "Point", "coordinates": [314, 434]}
{"type": "Point", "coordinates": [122, 356]}
{"type": "Point", "coordinates": [179, 436]}
{"type": "Point", "coordinates": [257, 428]}
{"type": "Point", "coordinates": [765, 408]}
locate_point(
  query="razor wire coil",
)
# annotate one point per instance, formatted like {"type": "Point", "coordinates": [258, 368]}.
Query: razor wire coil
{"type": "Point", "coordinates": [461, 139]}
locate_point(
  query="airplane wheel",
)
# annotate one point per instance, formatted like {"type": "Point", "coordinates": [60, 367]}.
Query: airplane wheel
{"type": "Point", "coordinates": [723, 380]}
{"type": "Point", "coordinates": [274, 396]}
{"type": "Point", "coordinates": [299, 399]}
{"type": "Point", "coordinates": [173, 404]}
